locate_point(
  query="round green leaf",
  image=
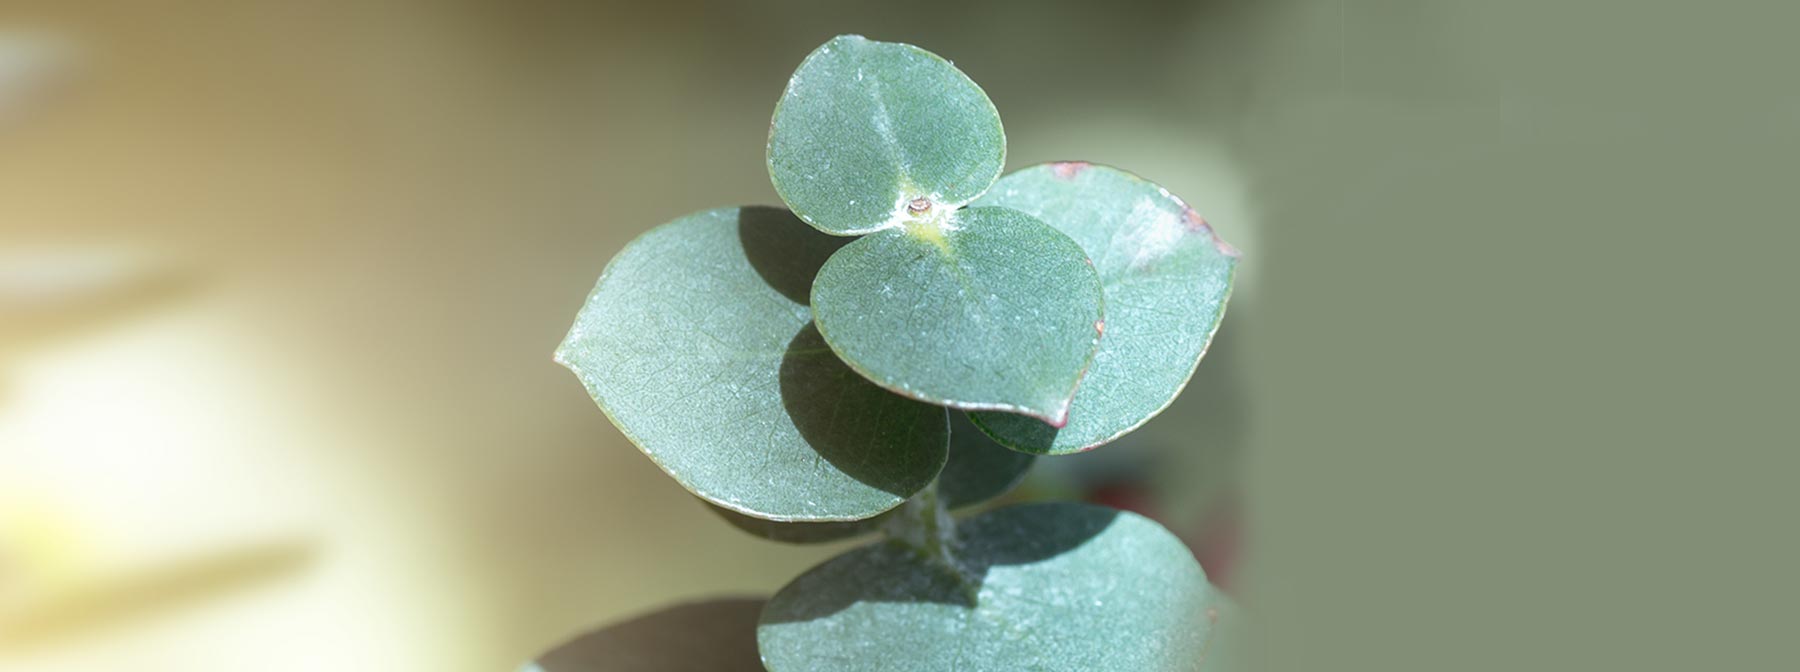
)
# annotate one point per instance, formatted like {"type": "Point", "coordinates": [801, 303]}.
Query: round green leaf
{"type": "Point", "coordinates": [984, 309]}
{"type": "Point", "coordinates": [866, 127]}
{"type": "Point", "coordinates": [1058, 586]}
{"type": "Point", "coordinates": [979, 469]}
{"type": "Point", "coordinates": [1166, 278]}
{"type": "Point", "coordinates": [698, 344]}
{"type": "Point", "coordinates": [716, 636]}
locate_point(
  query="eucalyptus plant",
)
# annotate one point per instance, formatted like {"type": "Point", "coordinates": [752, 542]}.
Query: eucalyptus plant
{"type": "Point", "coordinates": [902, 340]}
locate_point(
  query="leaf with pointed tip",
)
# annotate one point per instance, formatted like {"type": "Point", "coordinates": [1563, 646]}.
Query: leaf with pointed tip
{"type": "Point", "coordinates": [979, 469]}
{"type": "Point", "coordinates": [1166, 278]}
{"type": "Point", "coordinates": [989, 310]}
{"type": "Point", "coordinates": [715, 635]}
{"type": "Point", "coordinates": [1058, 586]}
{"type": "Point", "coordinates": [697, 342]}
{"type": "Point", "coordinates": [865, 127]}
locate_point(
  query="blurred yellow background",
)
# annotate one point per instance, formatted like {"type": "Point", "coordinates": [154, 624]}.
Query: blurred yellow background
{"type": "Point", "coordinates": [279, 284]}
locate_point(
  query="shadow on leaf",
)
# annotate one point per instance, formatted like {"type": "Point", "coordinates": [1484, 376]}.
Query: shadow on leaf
{"type": "Point", "coordinates": [893, 572]}
{"type": "Point", "coordinates": [869, 433]}
{"type": "Point", "coordinates": [785, 251]}
{"type": "Point", "coordinates": [979, 469]}
{"type": "Point", "coordinates": [711, 636]}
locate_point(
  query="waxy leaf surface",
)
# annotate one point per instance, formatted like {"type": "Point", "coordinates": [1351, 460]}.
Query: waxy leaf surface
{"type": "Point", "coordinates": [698, 343]}
{"type": "Point", "coordinates": [804, 532]}
{"type": "Point", "coordinates": [865, 127]}
{"type": "Point", "coordinates": [1059, 586]}
{"type": "Point", "coordinates": [979, 470]}
{"type": "Point", "coordinates": [1165, 276]}
{"type": "Point", "coordinates": [993, 311]}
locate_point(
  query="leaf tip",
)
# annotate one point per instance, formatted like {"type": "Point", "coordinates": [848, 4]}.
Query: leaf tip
{"type": "Point", "coordinates": [1198, 224]}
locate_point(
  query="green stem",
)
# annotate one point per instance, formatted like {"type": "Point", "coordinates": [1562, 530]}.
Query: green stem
{"type": "Point", "coordinates": [925, 524]}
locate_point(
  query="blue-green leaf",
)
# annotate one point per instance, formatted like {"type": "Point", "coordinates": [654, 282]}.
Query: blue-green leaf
{"type": "Point", "coordinates": [792, 532]}
{"type": "Point", "coordinates": [1166, 278]}
{"type": "Point", "coordinates": [698, 343]}
{"type": "Point", "coordinates": [979, 309]}
{"type": "Point", "coordinates": [865, 128]}
{"type": "Point", "coordinates": [979, 469]}
{"type": "Point", "coordinates": [1058, 586]}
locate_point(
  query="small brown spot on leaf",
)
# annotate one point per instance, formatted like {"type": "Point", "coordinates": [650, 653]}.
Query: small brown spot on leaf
{"type": "Point", "coordinates": [1100, 326]}
{"type": "Point", "coordinates": [1066, 170]}
{"type": "Point", "coordinates": [1195, 223]}
{"type": "Point", "coordinates": [920, 204]}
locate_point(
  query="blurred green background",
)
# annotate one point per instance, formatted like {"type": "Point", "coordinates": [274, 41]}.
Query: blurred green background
{"type": "Point", "coordinates": [276, 389]}
{"type": "Point", "coordinates": [279, 283]}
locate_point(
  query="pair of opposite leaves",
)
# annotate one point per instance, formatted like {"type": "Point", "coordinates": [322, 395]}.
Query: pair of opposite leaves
{"type": "Point", "coordinates": [756, 358]}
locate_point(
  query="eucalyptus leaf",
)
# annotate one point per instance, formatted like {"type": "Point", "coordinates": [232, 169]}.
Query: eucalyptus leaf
{"type": "Point", "coordinates": [790, 532]}
{"type": "Point", "coordinates": [1166, 278]}
{"type": "Point", "coordinates": [1058, 586]}
{"type": "Point", "coordinates": [715, 636]}
{"type": "Point", "coordinates": [982, 309]}
{"type": "Point", "coordinates": [979, 469]}
{"type": "Point", "coordinates": [866, 127]}
{"type": "Point", "coordinates": [697, 342]}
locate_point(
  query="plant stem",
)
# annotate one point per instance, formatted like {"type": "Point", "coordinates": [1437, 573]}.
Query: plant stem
{"type": "Point", "coordinates": [925, 524]}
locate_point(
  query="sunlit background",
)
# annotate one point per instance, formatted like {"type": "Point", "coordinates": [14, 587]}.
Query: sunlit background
{"type": "Point", "coordinates": [279, 283]}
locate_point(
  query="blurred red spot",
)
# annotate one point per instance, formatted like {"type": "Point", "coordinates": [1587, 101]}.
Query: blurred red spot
{"type": "Point", "coordinates": [1197, 224]}
{"type": "Point", "coordinates": [1194, 222]}
{"type": "Point", "coordinates": [1125, 496]}
{"type": "Point", "coordinates": [1066, 170]}
{"type": "Point", "coordinates": [1217, 540]}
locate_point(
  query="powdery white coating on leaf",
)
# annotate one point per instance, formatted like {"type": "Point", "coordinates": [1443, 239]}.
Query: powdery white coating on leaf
{"type": "Point", "coordinates": [865, 124]}
{"type": "Point", "coordinates": [1058, 586]}
{"type": "Point", "coordinates": [1166, 278]}
{"type": "Point", "coordinates": [698, 344]}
